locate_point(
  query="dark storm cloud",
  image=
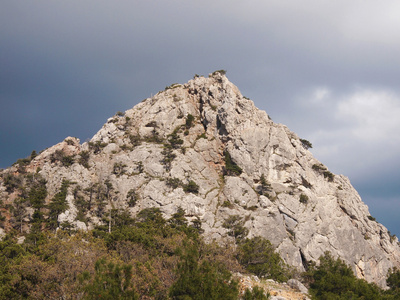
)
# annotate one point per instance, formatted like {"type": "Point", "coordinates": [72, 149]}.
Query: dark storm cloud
{"type": "Point", "coordinates": [328, 70]}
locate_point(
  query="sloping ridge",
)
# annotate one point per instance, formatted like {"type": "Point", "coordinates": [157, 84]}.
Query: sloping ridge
{"type": "Point", "coordinates": [177, 149]}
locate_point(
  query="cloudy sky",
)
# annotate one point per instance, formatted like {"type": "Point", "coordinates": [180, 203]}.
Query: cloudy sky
{"type": "Point", "coordinates": [329, 70]}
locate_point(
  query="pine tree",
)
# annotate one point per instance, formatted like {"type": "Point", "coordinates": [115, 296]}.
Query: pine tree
{"type": "Point", "coordinates": [58, 205]}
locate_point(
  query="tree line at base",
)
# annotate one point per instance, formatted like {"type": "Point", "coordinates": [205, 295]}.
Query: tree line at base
{"type": "Point", "coordinates": [149, 257]}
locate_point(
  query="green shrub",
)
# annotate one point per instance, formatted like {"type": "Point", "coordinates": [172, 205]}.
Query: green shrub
{"type": "Point", "coordinates": [67, 160]}
{"type": "Point", "coordinates": [168, 156]}
{"type": "Point", "coordinates": [303, 198]}
{"type": "Point", "coordinates": [222, 72]}
{"type": "Point", "coordinates": [69, 142]}
{"type": "Point", "coordinates": [119, 168]}
{"type": "Point", "coordinates": [174, 182]}
{"type": "Point", "coordinates": [135, 139]}
{"type": "Point", "coordinates": [174, 140]}
{"type": "Point", "coordinates": [393, 280]}
{"type": "Point", "coordinates": [96, 147]}
{"type": "Point", "coordinates": [227, 204]}
{"type": "Point", "coordinates": [154, 137]}
{"type": "Point", "coordinates": [196, 225]}
{"type": "Point", "coordinates": [151, 214]}
{"type": "Point", "coordinates": [318, 167]}
{"type": "Point", "coordinates": [329, 175]}
{"type": "Point", "coordinates": [58, 205]}
{"type": "Point", "coordinates": [265, 186]}
{"type": "Point", "coordinates": [178, 219]}
{"type": "Point", "coordinates": [306, 144]}
{"type": "Point", "coordinates": [201, 136]}
{"type": "Point", "coordinates": [231, 168]}
{"type": "Point", "coordinates": [323, 170]}
{"type": "Point", "coordinates": [81, 204]}
{"type": "Point", "coordinates": [256, 293]}
{"type": "Point", "coordinates": [132, 198]}
{"type": "Point", "coordinates": [56, 156]}
{"type": "Point", "coordinates": [201, 279]}
{"type": "Point", "coordinates": [84, 158]}
{"type": "Point", "coordinates": [189, 121]}
{"type": "Point", "coordinates": [111, 281]}
{"type": "Point", "coordinates": [235, 226]}
{"type": "Point", "coordinates": [33, 154]}
{"type": "Point", "coordinates": [140, 167]}
{"type": "Point", "coordinates": [252, 208]}
{"type": "Point", "coordinates": [19, 213]}
{"type": "Point", "coordinates": [11, 182]}
{"type": "Point", "coordinates": [38, 193]}
{"type": "Point", "coordinates": [333, 279]}
{"type": "Point", "coordinates": [23, 162]}
{"type": "Point", "coordinates": [172, 86]}
{"type": "Point", "coordinates": [191, 187]}
{"type": "Point", "coordinates": [257, 255]}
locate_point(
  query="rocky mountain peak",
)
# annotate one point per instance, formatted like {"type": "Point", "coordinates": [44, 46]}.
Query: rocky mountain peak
{"type": "Point", "coordinates": [204, 148]}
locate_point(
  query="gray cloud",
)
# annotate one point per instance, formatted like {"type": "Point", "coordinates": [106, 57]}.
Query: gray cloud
{"type": "Point", "coordinates": [328, 70]}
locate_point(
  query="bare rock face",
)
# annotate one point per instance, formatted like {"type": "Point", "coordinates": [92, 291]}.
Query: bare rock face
{"type": "Point", "coordinates": [204, 147]}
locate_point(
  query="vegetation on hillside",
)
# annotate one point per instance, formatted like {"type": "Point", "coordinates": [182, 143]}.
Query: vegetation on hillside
{"type": "Point", "coordinates": [148, 257]}
{"type": "Point", "coordinates": [144, 257]}
{"type": "Point", "coordinates": [333, 279]}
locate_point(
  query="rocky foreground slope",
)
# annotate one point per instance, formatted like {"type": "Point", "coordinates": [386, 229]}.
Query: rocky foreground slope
{"type": "Point", "coordinates": [204, 147]}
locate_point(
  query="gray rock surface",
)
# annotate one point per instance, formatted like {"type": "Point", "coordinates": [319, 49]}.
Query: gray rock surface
{"type": "Point", "coordinates": [148, 146]}
{"type": "Point", "coordinates": [297, 285]}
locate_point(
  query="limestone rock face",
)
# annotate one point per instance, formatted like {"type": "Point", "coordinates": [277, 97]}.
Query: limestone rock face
{"type": "Point", "coordinates": [177, 149]}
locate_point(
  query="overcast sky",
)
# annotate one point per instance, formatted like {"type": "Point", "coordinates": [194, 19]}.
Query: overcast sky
{"type": "Point", "coordinates": [329, 70]}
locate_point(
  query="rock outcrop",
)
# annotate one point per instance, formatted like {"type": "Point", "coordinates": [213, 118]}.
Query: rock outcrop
{"type": "Point", "coordinates": [204, 147]}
